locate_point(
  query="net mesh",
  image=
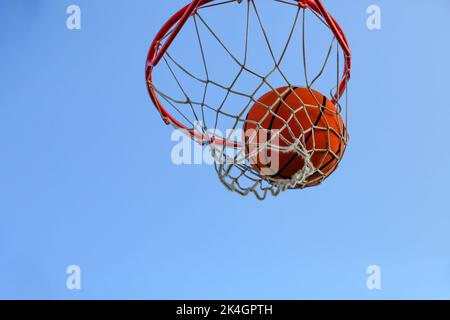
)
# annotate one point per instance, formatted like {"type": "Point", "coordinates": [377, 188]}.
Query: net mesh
{"type": "Point", "coordinates": [262, 48]}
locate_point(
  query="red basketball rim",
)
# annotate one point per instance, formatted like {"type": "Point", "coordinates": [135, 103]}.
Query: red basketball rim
{"type": "Point", "coordinates": [176, 23]}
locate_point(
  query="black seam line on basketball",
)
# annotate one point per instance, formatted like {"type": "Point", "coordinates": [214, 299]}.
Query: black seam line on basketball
{"type": "Point", "coordinates": [318, 118]}
{"type": "Point", "coordinates": [331, 160]}
{"type": "Point", "coordinates": [293, 157]}
{"type": "Point", "coordinates": [271, 121]}
{"type": "Point", "coordinates": [280, 176]}
{"type": "Point", "coordinates": [310, 134]}
{"type": "Point", "coordinates": [279, 106]}
{"type": "Point", "coordinates": [275, 112]}
{"type": "Point", "coordinates": [256, 164]}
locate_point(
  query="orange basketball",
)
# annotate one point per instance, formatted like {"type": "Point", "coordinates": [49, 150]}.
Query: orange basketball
{"type": "Point", "coordinates": [301, 116]}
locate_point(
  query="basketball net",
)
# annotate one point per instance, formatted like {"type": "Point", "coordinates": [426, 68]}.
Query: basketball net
{"type": "Point", "coordinates": [210, 96]}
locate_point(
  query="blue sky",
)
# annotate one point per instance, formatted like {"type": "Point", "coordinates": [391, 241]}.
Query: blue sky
{"type": "Point", "coordinates": [86, 176]}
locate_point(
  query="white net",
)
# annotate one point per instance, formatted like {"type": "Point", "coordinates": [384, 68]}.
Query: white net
{"type": "Point", "coordinates": [215, 72]}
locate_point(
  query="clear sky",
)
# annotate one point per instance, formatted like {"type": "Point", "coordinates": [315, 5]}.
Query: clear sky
{"type": "Point", "coordinates": [86, 176]}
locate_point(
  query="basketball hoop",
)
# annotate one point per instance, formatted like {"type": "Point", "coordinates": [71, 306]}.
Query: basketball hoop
{"type": "Point", "coordinates": [224, 86]}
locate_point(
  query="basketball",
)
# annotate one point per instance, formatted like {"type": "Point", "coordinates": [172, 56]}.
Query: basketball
{"type": "Point", "coordinates": [303, 118]}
